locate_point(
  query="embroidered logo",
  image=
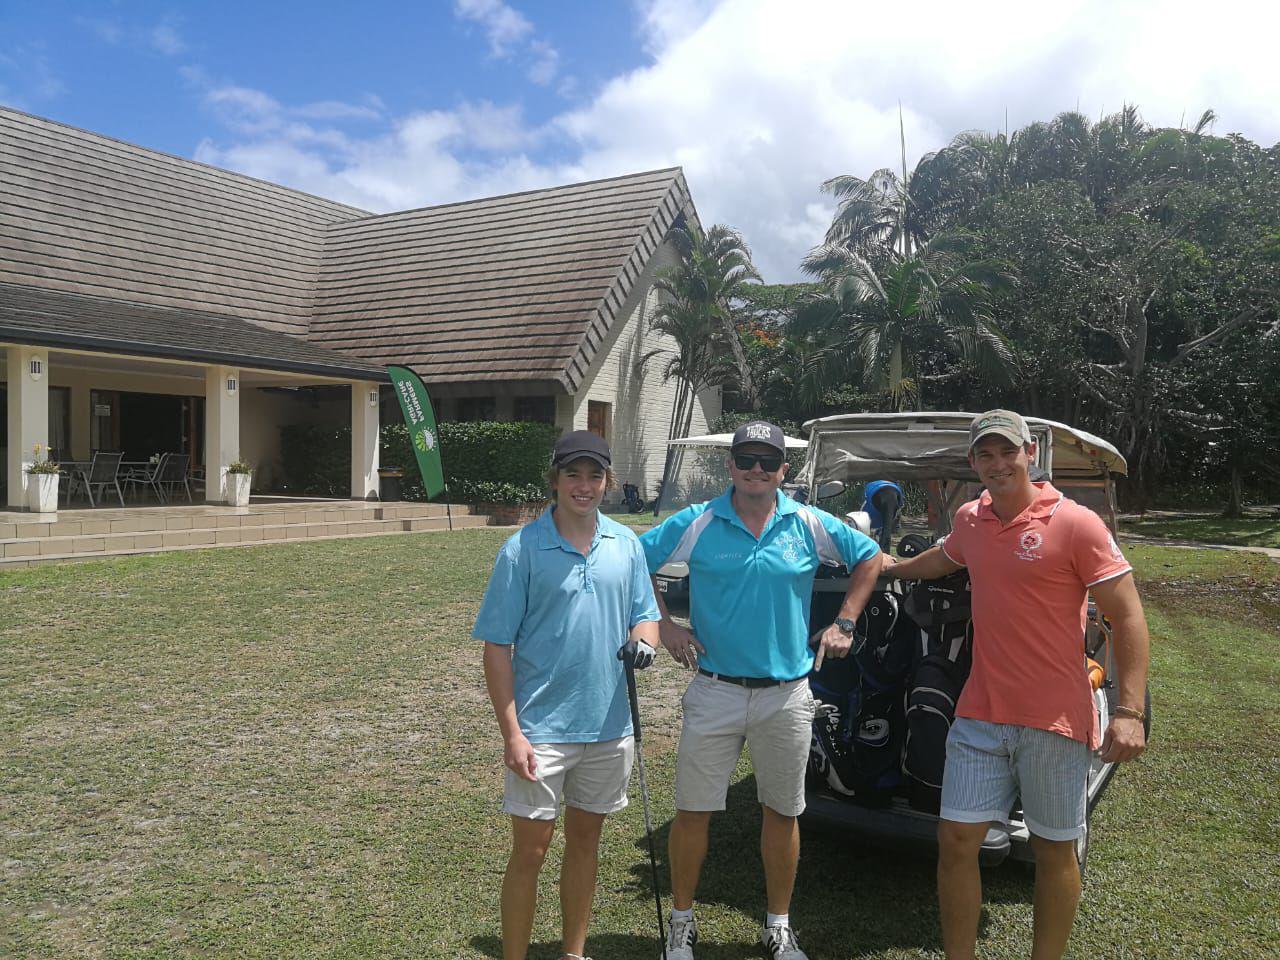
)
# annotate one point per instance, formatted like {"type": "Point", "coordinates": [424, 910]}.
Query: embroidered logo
{"type": "Point", "coordinates": [790, 546]}
{"type": "Point", "coordinates": [758, 431]}
{"type": "Point", "coordinates": [1029, 543]}
{"type": "Point", "coordinates": [1115, 549]}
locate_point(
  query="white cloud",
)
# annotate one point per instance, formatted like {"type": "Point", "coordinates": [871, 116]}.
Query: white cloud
{"type": "Point", "coordinates": [546, 61]}
{"type": "Point", "coordinates": [761, 101]}
{"type": "Point", "coordinates": [503, 25]}
{"type": "Point", "coordinates": [165, 38]}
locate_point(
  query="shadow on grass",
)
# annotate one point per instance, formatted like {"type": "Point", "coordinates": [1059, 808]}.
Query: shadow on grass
{"type": "Point", "coordinates": [851, 899]}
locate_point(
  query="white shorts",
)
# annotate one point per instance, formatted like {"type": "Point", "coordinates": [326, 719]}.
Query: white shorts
{"type": "Point", "coordinates": [989, 765]}
{"type": "Point", "coordinates": [590, 776]}
{"type": "Point", "coordinates": [775, 723]}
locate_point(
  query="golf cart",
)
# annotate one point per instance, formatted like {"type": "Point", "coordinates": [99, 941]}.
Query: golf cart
{"type": "Point", "coordinates": [867, 774]}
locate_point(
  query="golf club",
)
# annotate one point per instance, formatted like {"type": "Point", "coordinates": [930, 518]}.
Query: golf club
{"type": "Point", "coordinates": [644, 797]}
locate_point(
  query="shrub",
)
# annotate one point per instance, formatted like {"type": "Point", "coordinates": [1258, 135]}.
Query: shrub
{"type": "Point", "coordinates": [484, 461]}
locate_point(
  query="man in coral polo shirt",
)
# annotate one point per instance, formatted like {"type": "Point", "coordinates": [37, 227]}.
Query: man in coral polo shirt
{"type": "Point", "coordinates": [1025, 724]}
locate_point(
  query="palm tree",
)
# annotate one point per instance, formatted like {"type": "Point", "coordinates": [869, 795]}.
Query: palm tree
{"type": "Point", "coordinates": [895, 313]}
{"type": "Point", "coordinates": [714, 267]}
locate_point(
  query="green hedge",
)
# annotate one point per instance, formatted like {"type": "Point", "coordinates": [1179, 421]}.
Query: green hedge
{"type": "Point", "coordinates": [483, 461]}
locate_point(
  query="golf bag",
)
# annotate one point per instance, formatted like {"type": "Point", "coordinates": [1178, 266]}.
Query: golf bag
{"type": "Point", "coordinates": [860, 727]}
{"type": "Point", "coordinates": [943, 656]}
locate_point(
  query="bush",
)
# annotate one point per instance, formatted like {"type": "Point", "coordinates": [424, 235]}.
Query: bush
{"type": "Point", "coordinates": [484, 461]}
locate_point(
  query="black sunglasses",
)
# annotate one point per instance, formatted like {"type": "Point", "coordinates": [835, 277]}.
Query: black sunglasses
{"type": "Point", "coordinates": [769, 462]}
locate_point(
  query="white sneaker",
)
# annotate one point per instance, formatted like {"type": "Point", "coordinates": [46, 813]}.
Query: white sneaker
{"type": "Point", "coordinates": [780, 943]}
{"type": "Point", "coordinates": [681, 937]}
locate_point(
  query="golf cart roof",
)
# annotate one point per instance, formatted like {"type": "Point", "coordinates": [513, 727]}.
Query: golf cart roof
{"type": "Point", "coordinates": [924, 445]}
{"type": "Point", "coordinates": [726, 439]}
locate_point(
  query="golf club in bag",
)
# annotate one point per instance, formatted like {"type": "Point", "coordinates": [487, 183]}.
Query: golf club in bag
{"type": "Point", "coordinates": [644, 796]}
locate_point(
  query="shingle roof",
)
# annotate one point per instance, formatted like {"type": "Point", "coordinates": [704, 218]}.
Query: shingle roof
{"type": "Point", "coordinates": [520, 287]}
{"type": "Point", "coordinates": [85, 213]}
{"type": "Point", "coordinates": [55, 319]}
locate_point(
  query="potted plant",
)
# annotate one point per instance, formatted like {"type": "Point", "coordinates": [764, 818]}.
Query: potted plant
{"type": "Point", "coordinates": [42, 483]}
{"type": "Point", "coordinates": [239, 479]}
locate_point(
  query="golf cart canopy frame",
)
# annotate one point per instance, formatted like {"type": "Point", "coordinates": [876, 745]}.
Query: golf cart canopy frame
{"type": "Point", "coordinates": [935, 446]}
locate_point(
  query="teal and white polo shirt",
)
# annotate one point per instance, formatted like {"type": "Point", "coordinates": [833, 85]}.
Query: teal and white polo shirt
{"type": "Point", "coordinates": [750, 598]}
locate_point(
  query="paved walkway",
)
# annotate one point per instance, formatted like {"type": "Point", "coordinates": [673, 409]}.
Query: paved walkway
{"type": "Point", "coordinates": [1271, 552]}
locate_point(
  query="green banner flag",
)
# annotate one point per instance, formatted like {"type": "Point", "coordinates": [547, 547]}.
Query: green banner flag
{"type": "Point", "coordinates": [421, 421]}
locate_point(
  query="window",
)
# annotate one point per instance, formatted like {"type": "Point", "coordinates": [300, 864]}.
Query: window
{"type": "Point", "coordinates": [535, 409]}
{"type": "Point", "coordinates": [599, 418]}
{"type": "Point", "coordinates": [475, 408]}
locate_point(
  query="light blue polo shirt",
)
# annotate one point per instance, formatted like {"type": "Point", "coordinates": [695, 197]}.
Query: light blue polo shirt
{"type": "Point", "coordinates": [567, 616]}
{"type": "Point", "coordinates": [750, 598]}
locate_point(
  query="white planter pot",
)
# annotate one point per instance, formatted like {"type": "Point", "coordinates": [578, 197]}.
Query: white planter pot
{"type": "Point", "coordinates": [238, 489]}
{"type": "Point", "coordinates": [42, 492]}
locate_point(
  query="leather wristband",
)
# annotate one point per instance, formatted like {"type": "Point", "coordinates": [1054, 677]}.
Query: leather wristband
{"type": "Point", "coordinates": [1133, 712]}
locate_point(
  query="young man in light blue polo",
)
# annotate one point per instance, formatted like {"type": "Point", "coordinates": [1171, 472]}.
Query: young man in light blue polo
{"type": "Point", "coordinates": [752, 555]}
{"type": "Point", "coordinates": [569, 602]}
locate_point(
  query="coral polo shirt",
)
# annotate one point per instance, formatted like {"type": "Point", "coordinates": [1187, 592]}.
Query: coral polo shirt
{"type": "Point", "coordinates": [1030, 579]}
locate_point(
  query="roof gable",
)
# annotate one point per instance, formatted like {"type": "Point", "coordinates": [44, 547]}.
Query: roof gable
{"type": "Point", "coordinates": [521, 287]}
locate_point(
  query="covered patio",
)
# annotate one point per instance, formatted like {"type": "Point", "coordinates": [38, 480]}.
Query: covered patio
{"type": "Point", "coordinates": [84, 374]}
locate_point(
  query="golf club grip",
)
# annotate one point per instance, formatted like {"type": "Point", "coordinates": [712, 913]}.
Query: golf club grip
{"type": "Point", "coordinates": [634, 700]}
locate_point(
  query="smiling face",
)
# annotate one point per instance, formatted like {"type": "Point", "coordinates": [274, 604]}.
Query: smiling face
{"type": "Point", "coordinates": [1002, 465]}
{"type": "Point", "coordinates": [579, 486]}
{"type": "Point", "coordinates": [756, 481]}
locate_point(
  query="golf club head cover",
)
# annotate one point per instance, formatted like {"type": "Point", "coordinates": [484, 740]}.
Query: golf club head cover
{"type": "Point", "coordinates": [639, 655]}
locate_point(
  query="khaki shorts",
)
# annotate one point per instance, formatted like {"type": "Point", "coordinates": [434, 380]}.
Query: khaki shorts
{"type": "Point", "coordinates": [590, 776]}
{"type": "Point", "coordinates": [776, 725]}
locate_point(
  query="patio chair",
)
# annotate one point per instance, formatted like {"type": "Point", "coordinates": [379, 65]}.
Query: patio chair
{"type": "Point", "coordinates": [171, 473]}
{"type": "Point", "coordinates": [145, 475]}
{"type": "Point", "coordinates": [103, 472]}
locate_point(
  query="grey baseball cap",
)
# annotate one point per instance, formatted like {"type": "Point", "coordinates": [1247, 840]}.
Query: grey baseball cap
{"type": "Point", "coordinates": [1003, 423]}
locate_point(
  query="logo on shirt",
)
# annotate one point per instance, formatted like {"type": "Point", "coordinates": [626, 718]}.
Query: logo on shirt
{"type": "Point", "coordinates": [791, 547]}
{"type": "Point", "coordinates": [1029, 543]}
{"type": "Point", "coordinates": [1115, 549]}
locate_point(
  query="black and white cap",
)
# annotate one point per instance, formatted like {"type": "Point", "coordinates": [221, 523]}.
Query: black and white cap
{"type": "Point", "coordinates": [760, 431]}
{"type": "Point", "coordinates": [581, 443]}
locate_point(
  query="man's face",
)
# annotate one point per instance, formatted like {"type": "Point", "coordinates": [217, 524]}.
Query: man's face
{"type": "Point", "coordinates": [1002, 465]}
{"type": "Point", "coordinates": [579, 486]}
{"type": "Point", "coordinates": [764, 469]}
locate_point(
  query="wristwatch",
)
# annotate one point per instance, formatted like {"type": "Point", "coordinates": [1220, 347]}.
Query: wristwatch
{"type": "Point", "coordinates": [846, 626]}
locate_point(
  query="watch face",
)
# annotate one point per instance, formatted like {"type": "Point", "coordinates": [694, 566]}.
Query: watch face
{"type": "Point", "coordinates": [845, 624]}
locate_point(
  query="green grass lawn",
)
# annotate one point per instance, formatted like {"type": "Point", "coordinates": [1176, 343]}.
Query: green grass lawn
{"type": "Point", "coordinates": [1259, 530]}
{"type": "Point", "coordinates": [287, 752]}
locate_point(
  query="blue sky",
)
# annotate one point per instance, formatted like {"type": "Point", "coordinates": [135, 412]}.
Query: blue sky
{"type": "Point", "coordinates": [396, 105]}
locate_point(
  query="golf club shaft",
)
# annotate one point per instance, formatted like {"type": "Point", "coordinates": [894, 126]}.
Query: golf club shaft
{"type": "Point", "coordinates": [644, 798]}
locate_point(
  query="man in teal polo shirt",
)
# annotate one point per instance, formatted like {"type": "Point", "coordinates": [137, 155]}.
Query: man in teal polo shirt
{"type": "Point", "coordinates": [569, 598]}
{"type": "Point", "coordinates": [752, 555]}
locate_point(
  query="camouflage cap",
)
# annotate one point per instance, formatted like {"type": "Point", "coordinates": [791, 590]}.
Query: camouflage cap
{"type": "Point", "coordinates": [1004, 423]}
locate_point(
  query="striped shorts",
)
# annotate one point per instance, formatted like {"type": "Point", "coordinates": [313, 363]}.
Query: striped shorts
{"type": "Point", "coordinates": [989, 765]}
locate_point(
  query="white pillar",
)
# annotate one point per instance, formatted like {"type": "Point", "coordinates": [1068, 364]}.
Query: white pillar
{"type": "Point", "coordinates": [364, 440]}
{"type": "Point", "coordinates": [28, 416]}
{"type": "Point", "coordinates": [221, 430]}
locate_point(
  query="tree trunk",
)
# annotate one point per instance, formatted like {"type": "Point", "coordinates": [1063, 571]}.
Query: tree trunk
{"type": "Point", "coordinates": [1235, 495]}
{"type": "Point", "coordinates": [746, 383]}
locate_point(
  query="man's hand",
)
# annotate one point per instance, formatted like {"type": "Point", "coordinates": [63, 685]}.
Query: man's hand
{"type": "Point", "coordinates": [637, 653]}
{"type": "Point", "coordinates": [887, 560]}
{"type": "Point", "coordinates": [1124, 740]}
{"type": "Point", "coordinates": [832, 642]}
{"type": "Point", "coordinates": [519, 757]}
{"type": "Point", "coordinates": [680, 643]}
